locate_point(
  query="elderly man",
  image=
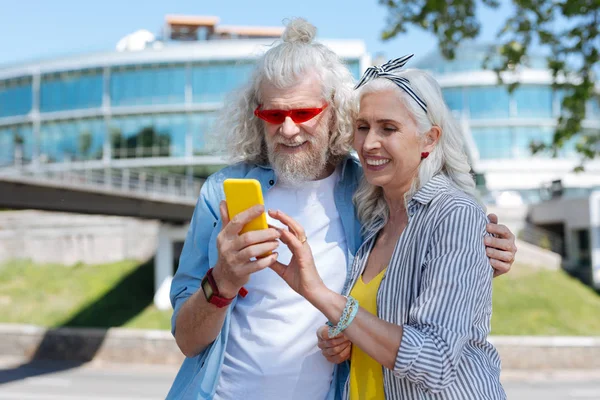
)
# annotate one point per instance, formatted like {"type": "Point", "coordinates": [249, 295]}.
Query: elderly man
{"type": "Point", "coordinates": [244, 332]}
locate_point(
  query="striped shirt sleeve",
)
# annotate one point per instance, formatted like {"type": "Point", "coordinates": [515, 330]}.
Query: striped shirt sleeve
{"type": "Point", "coordinates": [456, 276]}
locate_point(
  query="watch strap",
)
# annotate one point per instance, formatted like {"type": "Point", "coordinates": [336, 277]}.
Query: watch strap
{"type": "Point", "coordinates": [215, 297]}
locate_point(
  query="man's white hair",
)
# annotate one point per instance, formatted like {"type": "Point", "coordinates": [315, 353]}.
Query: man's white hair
{"type": "Point", "coordinates": [282, 66]}
{"type": "Point", "coordinates": [447, 157]}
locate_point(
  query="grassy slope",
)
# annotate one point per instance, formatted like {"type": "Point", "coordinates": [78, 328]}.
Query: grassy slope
{"type": "Point", "coordinates": [526, 302]}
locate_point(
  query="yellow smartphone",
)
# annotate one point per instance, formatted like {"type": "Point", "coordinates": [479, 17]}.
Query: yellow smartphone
{"type": "Point", "coordinates": [241, 194]}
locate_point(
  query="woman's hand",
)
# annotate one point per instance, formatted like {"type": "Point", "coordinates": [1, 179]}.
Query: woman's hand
{"type": "Point", "coordinates": [301, 274]}
{"type": "Point", "coordinates": [337, 349]}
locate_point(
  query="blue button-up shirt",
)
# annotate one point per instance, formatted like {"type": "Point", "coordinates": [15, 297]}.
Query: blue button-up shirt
{"type": "Point", "coordinates": [199, 375]}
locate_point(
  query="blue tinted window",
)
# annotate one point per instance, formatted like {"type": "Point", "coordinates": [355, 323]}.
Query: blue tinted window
{"type": "Point", "coordinates": [211, 82]}
{"type": "Point", "coordinates": [24, 137]}
{"type": "Point", "coordinates": [533, 101]}
{"type": "Point", "coordinates": [203, 139]}
{"type": "Point", "coordinates": [6, 146]}
{"type": "Point", "coordinates": [15, 97]}
{"type": "Point", "coordinates": [147, 86]}
{"type": "Point", "coordinates": [149, 136]}
{"type": "Point", "coordinates": [559, 96]}
{"type": "Point", "coordinates": [493, 143]}
{"type": "Point", "coordinates": [506, 142]}
{"type": "Point", "coordinates": [90, 139]}
{"type": "Point", "coordinates": [50, 136]}
{"type": "Point", "coordinates": [171, 130]}
{"type": "Point", "coordinates": [354, 67]}
{"type": "Point", "coordinates": [71, 91]}
{"type": "Point", "coordinates": [16, 144]}
{"type": "Point", "coordinates": [454, 98]}
{"type": "Point", "coordinates": [71, 140]}
{"type": "Point", "coordinates": [524, 136]}
{"type": "Point", "coordinates": [488, 102]}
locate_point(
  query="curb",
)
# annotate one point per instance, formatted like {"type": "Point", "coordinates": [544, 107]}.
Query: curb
{"type": "Point", "coordinates": [117, 345]}
{"type": "Point", "coordinates": [548, 352]}
{"type": "Point", "coordinates": [135, 346]}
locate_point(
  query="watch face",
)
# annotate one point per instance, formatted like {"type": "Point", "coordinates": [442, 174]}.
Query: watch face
{"type": "Point", "coordinates": [208, 291]}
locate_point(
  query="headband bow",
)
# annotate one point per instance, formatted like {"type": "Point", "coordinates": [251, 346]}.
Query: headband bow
{"type": "Point", "coordinates": [384, 71]}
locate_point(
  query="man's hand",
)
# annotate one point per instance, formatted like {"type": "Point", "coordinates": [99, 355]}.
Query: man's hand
{"type": "Point", "coordinates": [336, 350]}
{"type": "Point", "coordinates": [233, 268]}
{"type": "Point", "coordinates": [500, 248]}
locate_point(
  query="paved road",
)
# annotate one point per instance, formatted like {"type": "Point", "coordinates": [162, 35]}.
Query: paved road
{"type": "Point", "coordinates": [95, 381]}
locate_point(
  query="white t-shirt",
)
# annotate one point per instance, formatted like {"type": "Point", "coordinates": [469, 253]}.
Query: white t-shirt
{"type": "Point", "coordinates": [272, 348]}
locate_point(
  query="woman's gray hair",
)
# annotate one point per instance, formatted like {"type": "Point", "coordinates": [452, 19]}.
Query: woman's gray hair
{"type": "Point", "coordinates": [448, 156]}
{"type": "Point", "coordinates": [282, 66]}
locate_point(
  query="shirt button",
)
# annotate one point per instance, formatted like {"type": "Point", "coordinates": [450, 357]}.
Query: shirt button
{"type": "Point", "coordinates": [271, 182]}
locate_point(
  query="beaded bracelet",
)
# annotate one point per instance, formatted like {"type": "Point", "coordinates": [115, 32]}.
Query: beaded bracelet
{"type": "Point", "coordinates": [346, 319]}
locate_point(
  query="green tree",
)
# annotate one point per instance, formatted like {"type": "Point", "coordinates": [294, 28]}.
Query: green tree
{"type": "Point", "coordinates": [569, 29]}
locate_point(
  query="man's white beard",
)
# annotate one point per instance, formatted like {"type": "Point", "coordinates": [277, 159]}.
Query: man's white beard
{"type": "Point", "coordinates": [306, 165]}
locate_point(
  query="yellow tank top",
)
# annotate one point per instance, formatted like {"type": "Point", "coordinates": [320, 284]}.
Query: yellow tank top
{"type": "Point", "coordinates": [366, 374]}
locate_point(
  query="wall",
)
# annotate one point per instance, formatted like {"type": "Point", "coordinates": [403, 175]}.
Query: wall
{"type": "Point", "coordinates": [63, 238]}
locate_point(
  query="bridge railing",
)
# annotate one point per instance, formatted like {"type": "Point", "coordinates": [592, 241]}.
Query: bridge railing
{"type": "Point", "coordinates": [133, 181]}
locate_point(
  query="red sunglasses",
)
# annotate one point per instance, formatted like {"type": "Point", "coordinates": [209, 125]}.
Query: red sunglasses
{"type": "Point", "coordinates": [298, 115]}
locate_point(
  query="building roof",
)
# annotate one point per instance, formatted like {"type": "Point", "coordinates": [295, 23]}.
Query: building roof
{"type": "Point", "coordinates": [250, 31]}
{"type": "Point", "coordinates": [199, 51]}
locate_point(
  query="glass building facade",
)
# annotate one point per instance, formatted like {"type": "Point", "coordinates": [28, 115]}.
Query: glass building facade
{"type": "Point", "coordinates": [502, 126]}
{"type": "Point", "coordinates": [130, 109]}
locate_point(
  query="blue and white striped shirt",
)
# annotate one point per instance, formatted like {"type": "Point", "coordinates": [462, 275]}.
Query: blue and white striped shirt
{"type": "Point", "coordinates": [438, 287]}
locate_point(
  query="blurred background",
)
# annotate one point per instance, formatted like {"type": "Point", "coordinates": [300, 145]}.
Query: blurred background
{"type": "Point", "coordinates": [106, 111]}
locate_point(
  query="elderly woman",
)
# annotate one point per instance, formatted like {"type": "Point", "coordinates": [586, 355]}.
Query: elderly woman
{"type": "Point", "coordinates": [418, 305]}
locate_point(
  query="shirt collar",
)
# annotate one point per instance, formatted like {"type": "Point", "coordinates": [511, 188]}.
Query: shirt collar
{"type": "Point", "coordinates": [431, 188]}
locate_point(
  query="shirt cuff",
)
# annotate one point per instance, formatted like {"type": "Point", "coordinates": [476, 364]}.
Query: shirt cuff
{"type": "Point", "coordinates": [409, 350]}
{"type": "Point", "coordinates": [181, 299]}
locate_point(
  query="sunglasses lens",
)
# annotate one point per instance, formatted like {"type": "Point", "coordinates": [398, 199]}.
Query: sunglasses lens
{"type": "Point", "coordinates": [304, 115]}
{"type": "Point", "coordinates": [298, 115]}
{"type": "Point", "coordinates": [272, 116]}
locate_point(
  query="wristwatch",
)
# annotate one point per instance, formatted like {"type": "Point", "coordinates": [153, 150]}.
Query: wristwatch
{"type": "Point", "coordinates": [211, 291]}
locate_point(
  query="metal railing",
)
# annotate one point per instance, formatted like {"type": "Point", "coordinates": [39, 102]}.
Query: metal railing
{"type": "Point", "coordinates": [126, 181]}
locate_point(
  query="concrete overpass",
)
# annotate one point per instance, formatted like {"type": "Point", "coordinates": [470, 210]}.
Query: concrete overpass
{"type": "Point", "coordinates": [169, 199]}
{"type": "Point", "coordinates": [69, 191]}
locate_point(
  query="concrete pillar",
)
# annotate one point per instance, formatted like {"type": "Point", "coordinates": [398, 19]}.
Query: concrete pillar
{"type": "Point", "coordinates": [163, 262]}
{"type": "Point", "coordinates": [163, 268]}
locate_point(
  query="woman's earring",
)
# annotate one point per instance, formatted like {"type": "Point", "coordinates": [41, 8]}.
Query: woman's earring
{"type": "Point", "coordinates": [424, 155]}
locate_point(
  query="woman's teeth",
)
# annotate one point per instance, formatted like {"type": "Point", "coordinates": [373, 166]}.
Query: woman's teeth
{"type": "Point", "coordinates": [377, 162]}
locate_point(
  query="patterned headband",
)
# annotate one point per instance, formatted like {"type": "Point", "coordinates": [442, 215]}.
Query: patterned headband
{"type": "Point", "coordinates": [384, 71]}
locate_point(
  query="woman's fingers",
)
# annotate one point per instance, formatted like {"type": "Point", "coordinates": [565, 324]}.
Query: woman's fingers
{"type": "Point", "coordinates": [288, 221]}
{"type": "Point", "coordinates": [333, 351]}
{"type": "Point", "coordinates": [340, 357]}
{"type": "Point", "coordinates": [279, 268]}
{"type": "Point", "coordinates": [290, 240]}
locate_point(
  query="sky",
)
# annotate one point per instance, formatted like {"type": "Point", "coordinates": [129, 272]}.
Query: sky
{"type": "Point", "coordinates": [42, 29]}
